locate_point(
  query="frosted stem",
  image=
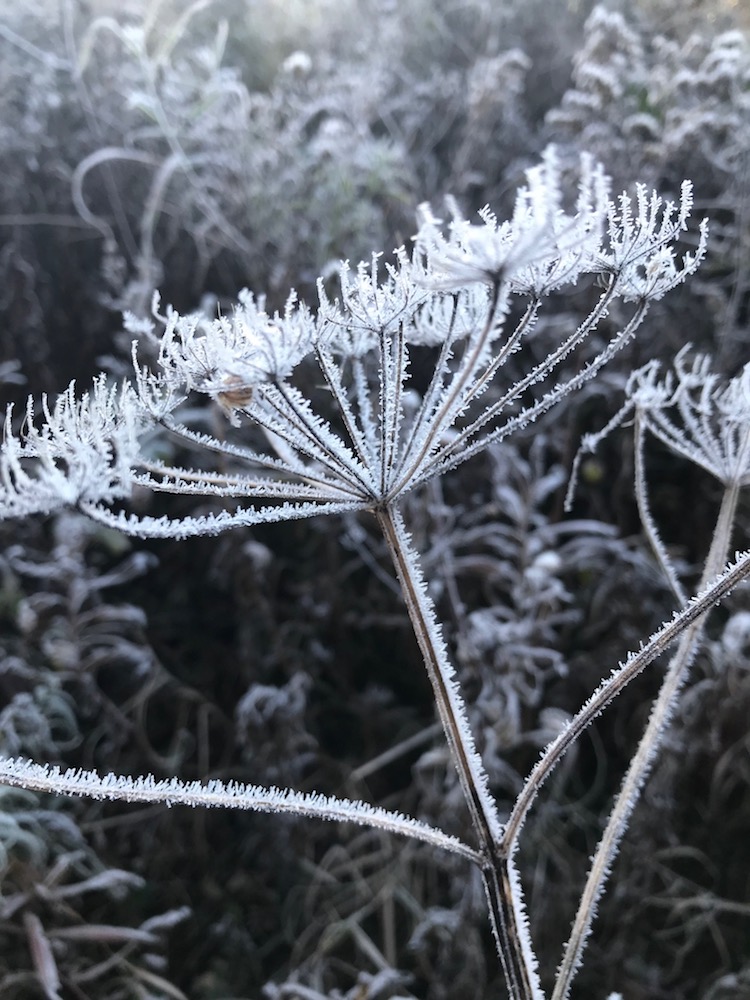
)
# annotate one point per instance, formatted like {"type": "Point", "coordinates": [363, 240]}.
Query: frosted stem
{"type": "Point", "coordinates": [612, 687]}
{"type": "Point", "coordinates": [641, 763]}
{"type": "Point", "coordinates": [232, 795]}
{"type": "Point", "coordinates": [501, 883]}
{"type": "Point", "coordinates": [644, 511]}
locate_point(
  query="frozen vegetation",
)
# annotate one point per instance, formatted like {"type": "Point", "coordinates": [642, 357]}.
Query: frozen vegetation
{"type": "Point", "coordinates": [460, 291]}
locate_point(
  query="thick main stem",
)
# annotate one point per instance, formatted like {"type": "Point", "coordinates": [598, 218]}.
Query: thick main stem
{"type": "Point", "coordinates": [501, 883]}
{"type": "Point", "coordinates": [640, 765]}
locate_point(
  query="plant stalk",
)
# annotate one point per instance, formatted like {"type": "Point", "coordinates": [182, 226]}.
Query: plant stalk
{"type": "Point", "coordinates": [501, 883]}
{"type": "Point", "coordinates": [641, 763]}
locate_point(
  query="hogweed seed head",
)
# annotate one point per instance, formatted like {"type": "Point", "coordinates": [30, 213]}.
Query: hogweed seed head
{"type": "Point", "coordinates": [372, 437]}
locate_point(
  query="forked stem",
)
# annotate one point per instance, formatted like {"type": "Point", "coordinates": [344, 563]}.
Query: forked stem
{"type": "Point", "coordinates": [501, 883]}
{"type": "Point", "coordinates": [642, 761]}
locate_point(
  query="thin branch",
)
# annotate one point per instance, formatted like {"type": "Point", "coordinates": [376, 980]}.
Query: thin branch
{"type": "Point", "coordinates": [357, 435]}
{"type": "Point", "coordinates": [234, 795]}
{"type": "Point", "coordinates": [210, 524]}
{"type": "Point", "coordinates": [537, 373]}
{"type": "Point", "coordinates": [644, 510]}
{"type": "Point", "coordinates": [439, 421]}
{"type": "Point", "coordinates": [291, 465]}
{"type": "Point", "coordinates": [453, 455]}
{"type": "Point", "coordinates": [642, 761]}
{"type": "Point", "coordinates": [606, 693]}
{"type": "Point", "coordinates": [171, 479]}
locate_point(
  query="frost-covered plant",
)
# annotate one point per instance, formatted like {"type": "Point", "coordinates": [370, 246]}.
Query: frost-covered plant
{"type": "Point", "coordinates": [51, 880]}
{"type": "Point", "coordinates": [680, 888]}
{"type": "Point", "coordinates": [236, 169]}
{"type": "Point", "coordinates": [705, 420]}
{"type": "Point", "coordinates": [658, 100]}
{"type": "Point", "coordinates": [75, 670]}
{"type": "Point", "coordinates": [230, 144]}
{"type": "Point", "coordinates": [365, 439]}
{"type": "Point", "coordinates": [653, 106]}
{"type": "Point", "coordinates": [145, 147]}
{"type": "Point", "coordinates": [37, 94]}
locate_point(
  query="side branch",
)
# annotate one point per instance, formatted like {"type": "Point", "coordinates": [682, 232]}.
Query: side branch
{"type": "Point", "coordinates": [735, 574]}
{"type": "Point", "coordinates": [233, 795]}
{"type": "Point", "coordinates": [640, 766]}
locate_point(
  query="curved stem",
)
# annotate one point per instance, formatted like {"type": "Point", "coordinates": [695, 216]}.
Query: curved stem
{"type": "Point", "coordinates": [21, 773]}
